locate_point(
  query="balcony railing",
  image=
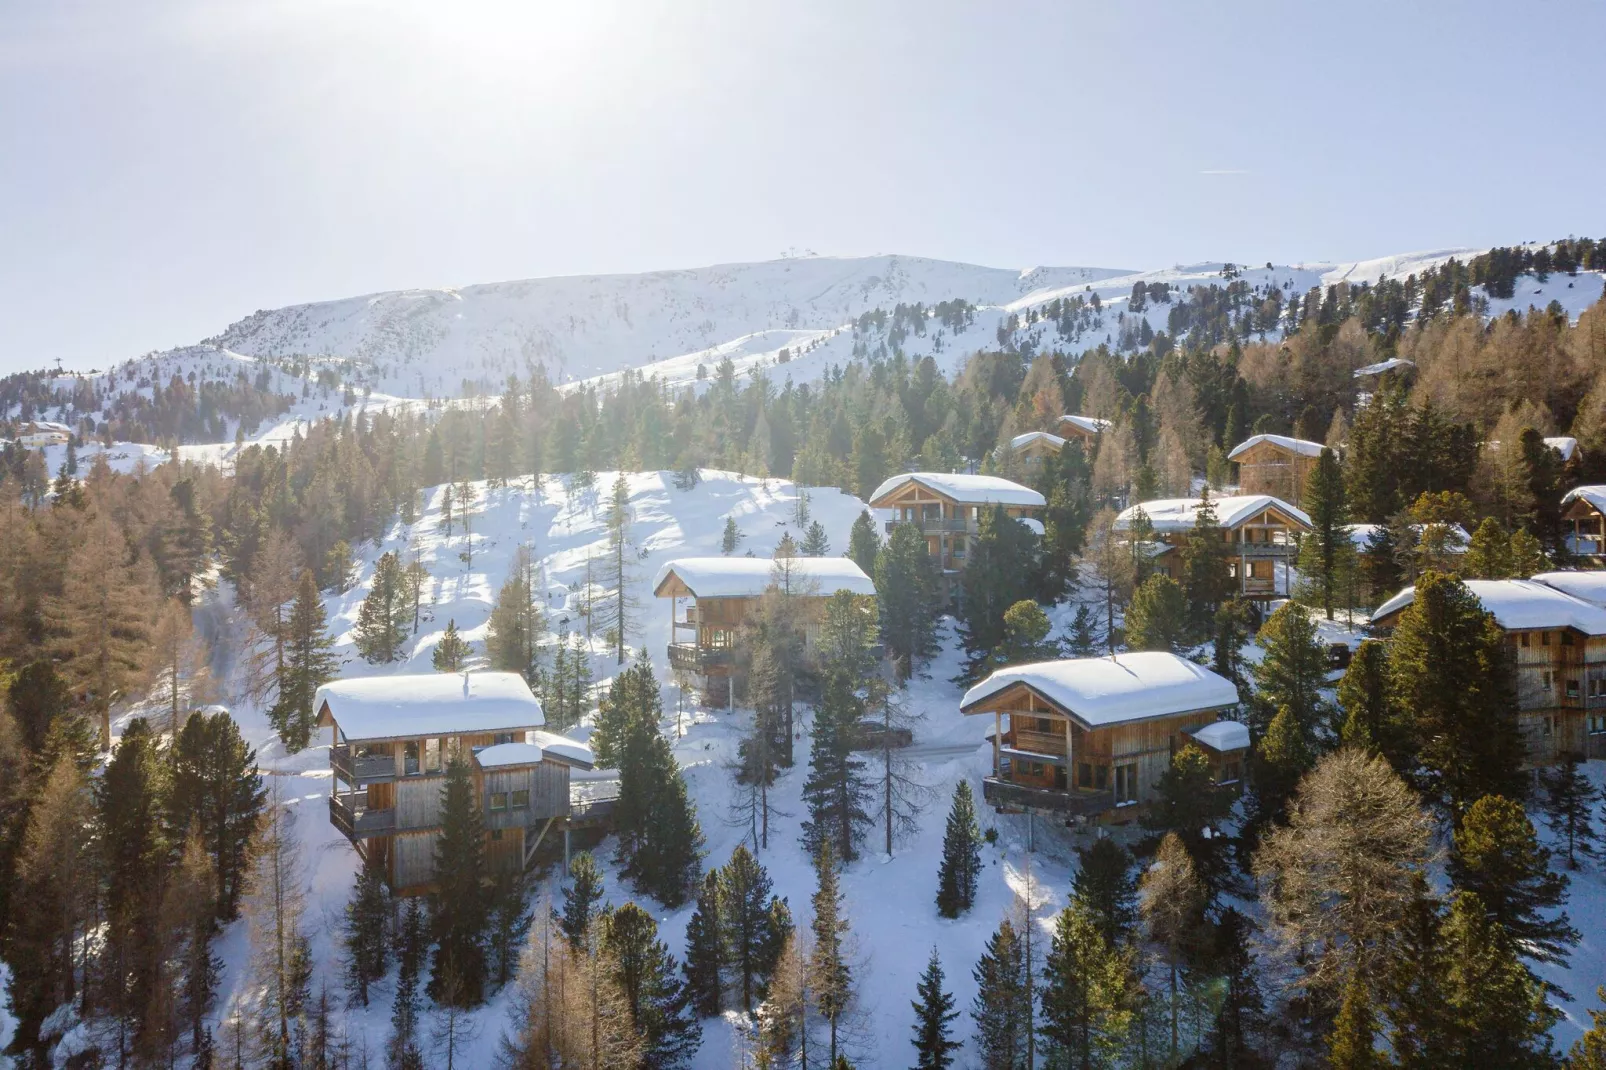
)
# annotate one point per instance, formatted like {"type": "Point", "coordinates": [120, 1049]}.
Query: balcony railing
{"type": "Point", "coordinates": [350, 814]}
{"type": "Point", "coordinates": [688, 657]}
{"type": "Point", "coordinates": [936, 523]}
{"type": "Point", "coordinates": [360, 769]}
{"type": "Point", "coordinates": [1002, 793]}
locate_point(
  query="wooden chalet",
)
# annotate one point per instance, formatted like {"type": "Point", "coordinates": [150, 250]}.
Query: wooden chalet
{"type": "Point", "coordinates": [1259, 532]}
{"type": "Point", "coordinates": [1584, 510]}
{"type": "Point", "coordinates": [1083, 429]}
{"type": "Point", "coordinates": [1087, 739]}
{"type": "Point", "coordinates": [1558, 645]}
{"type": "Point", "coordinates": [947, 509]}
{"type": "Point", "coordinates": [710, 598]}
{"type": "Point", "coordinates": [1034, 448]}
{"type": "Point", "coordinates": [36, 434]}
{"type": "Point", "coordinates": [391, 739]}
{"type": "Point", "coordinates": [1276, 465]}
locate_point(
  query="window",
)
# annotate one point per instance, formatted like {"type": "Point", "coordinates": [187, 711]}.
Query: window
{"type": "Point", "coordinates": [1101, 777]}
{"type": "Point", "coordinates": [1597, 724]}
{"type": "Point", "coordinates": [1126, 784]}
{"type": "Point", "coordinates": [1084, 775]}
{"type": "Point", "coordinates": [1044, 726]}
{"type": "Point", "coordinates": [498, 800]}
{"type": "Point", "coordinates": [410, 758]}
{"type": "Point", "coordinates": [1525, 639]}
{"type": "Point", "coordinates": [1572, 688]}
{"type": "Point", "coordinates": [1035, 769]}
{"type": "Point", "coordinates": [519, 800]}
{"type": "Point", "coordinates": [432, 755]}
{"type": "Point", "coordinates": [1547, 679]}
{"type": "Point", "coordinates": [1566, 638]}
{"type": "Point", "coordinates": [1544, 638]}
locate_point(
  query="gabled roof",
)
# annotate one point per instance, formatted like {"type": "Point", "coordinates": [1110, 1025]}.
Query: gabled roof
{"type": "Point", "coordinates": [966, 489]}
{"type": "Point", "coordinates": [1591, 494]}
{"type": "Point", "coordinates": [1177, 514]}
{"type": "Point", "coordinates": [1384, 366]}
{"type": "Point", "coordinates": [1565, 445]}
{"type": "Point", "coordinates": [41, 426]}
{"type": "Point", "coordinates": [749, 577]}
{"type": "Point", "coordinates": [1303, 446]}
{"type": "Point", "coordinates": [542, 746]}
{"type": "Point", "coordinates": [1114, 689]}
{"type": "Point", "coordinates": [1091, 424]}
{"type": "Point", "coordinates": [1520, 605]}
{"type": "Point", "coordinates": [430, 704]}
{"type": "Point", "coordinates": [1036, 436]}
{"type": "Point", "coordinates": [1456, 542]}
{"type": "Point", "coordinates": [1588, 586]}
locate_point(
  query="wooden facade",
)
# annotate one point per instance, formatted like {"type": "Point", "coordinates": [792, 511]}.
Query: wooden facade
{"type": "Point", "coordinates": [1034, 451]}
{"type": "Point", "coordinates": [948, 523]}
{"type": "Point", "coordinates": [386, 793]}
{"type": "Point", "coordinates": [1255, 545]}
{"type": "Point", "coordinates": [1048, 760]}
{"type": "Point", "coordinates": [1274, 468]}
{"type": "Point", "coordinates": [1582, 514]}
{"type": "Point", "coordinates": [1083, 429]}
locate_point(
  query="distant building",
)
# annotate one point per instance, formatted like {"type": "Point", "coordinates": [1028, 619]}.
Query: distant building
{"type": "Point", "coordinates": [1455, 539]}
{"type": "Point", "coordinates": [1275, 465]}
{"type": "Point", "coordinates": [392, 737]}
{"type": "Point", "coordinates": [1258, 531]}
{"type": "Point", "coordinates": [1083, 429]}
{"type": "Point", "coordinates": [1585, 509]}
{"type": "Point", "coordinates": [1088, 739]}
{"type": "Point", "coordinates": [710, 598]}
{"type": "Point", "coordinates": [1035, 447]}
{"type": "Point", "coordinates": [36, 434]}
{"type": "Point", "coordinates": [947, 509]}
{"type": "Point", "coordinates": [1558, 645]}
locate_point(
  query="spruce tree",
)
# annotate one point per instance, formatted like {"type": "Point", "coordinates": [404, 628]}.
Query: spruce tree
{"type": "Point", "coordinates": [1293, 669]}
{"type": "Point", "coordinates": [215, 788]}
{"type": "Point", "coordinates": [731, 538]}
{"type": "Point", "coordinates": [134, 856]}
{"type": "Point", "coordinates": [309, 663]}
{"type": "Point", "coordinates": [1088, 986]}
{"type": "Point", "coordinates": [516, 622]}
{"type": "Point", "coordinates": [830, 973]}
{"type": "Point", "coordinates": [1189, 803]}
{"type": "Point", "coordinates": [1327, 549]}
{"type": "Point", "coordinates": [1497, 855]}
{"type": "Point", "coordinates": [382, 622]}
{"type": "Point", "coordinates": [510, 923]}
{"type": "Point", "coordinates": [754, 925]}
{"type": "Point", "coordinates": [1206, 579]}
{"type": "Point", "coordinates": [402, 1050]}
{"type": "Point", "coordinates": [1370, 719]}
{"type": "Point", "coordinates": [1589, 1051]}
{"type": "Point", "coordinates": [907, 592]}
{"type": "Point", "coordinates": [460, 909]}
{"type": "Point", "coordinates": [704, 949]}
{"type": "Point", "coordinates": [835, 792]}
{"type": "Point", "coordinates": [648, 979]}
{"type": "Point", "coordinates": [1000, 1007]}
{"type": "Point", "coordinates": [961, 855]}
{"type": "Point", "coordinates": [1000, 567]}
{"type": "Point", "coordinates": [452, 651]}
{"type": "Point", "coordinates": [366, 935]}
{"type": "Point", "coordinates": [934, 1014]}
{"type": "Point", "coordinates": [1106, 884]}
{"type": "Point", "coordinates": [1157, 619]}
{"type": "Point", "coordinates": [815, 542]}
{"type": "Point", "coordinates": [1352, 1043]}
{"type": "Point", "coordinates": [864, 544]}
{"type": "Point", "coordinates": [1569, 801]}
{"type": "Point", "coordinates": [1500, 1017]}
{"type": "Point", "coordinates": [1083, 640]}
{"type": "Point", "coordinates": [580, 899]}
{"type": "Point", "coordinates": [620, 610]}
{"type": "Point", "coordinates": [660, 841]}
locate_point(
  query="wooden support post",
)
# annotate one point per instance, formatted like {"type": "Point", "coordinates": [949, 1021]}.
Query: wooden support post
{"type": "Point", "coordinates": [998, 734]}
{"type": "Point", "coordinates": [1070, 768]}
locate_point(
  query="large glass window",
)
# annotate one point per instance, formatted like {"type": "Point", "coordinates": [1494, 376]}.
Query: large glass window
{"type": "Point", "coordinates": [519, 800]}
{"type": "Point", "coordinates": [1126, 784]}
{"type": "Point", "coordinates": [498, 800]}
{"type": "Point", "coordinates": [410, 758]}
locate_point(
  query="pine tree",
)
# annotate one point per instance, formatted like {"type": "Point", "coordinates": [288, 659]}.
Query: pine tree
{"type": "Point", "coordinates": [215, 788]}
{"type": "Point", "coordinates": [619, 571]}
{"type": "Point", "coordinates": [1293, 670]}
{"type": "Point", "coordinates": [1001, 1001]}
{"type": "Point", "coordinates": [731, 538]}
{"type": "Point", "coordinates": [309, 663]}
{"type": "Point", "coordinates": [1278, 763]}
{"type": "Point", "coordinates": [1451, 677]}
{"type": "Point", "coordinates": [1083, 641]}
{"type": "Point", "coordinates": [1568, 804]}
{"type": "Point", "coordinates": [1241, 1017]}
{"type": "Point", "coordinates": [1488, 555]}
{"type": "Point", "coordinates": [1352, 1044]}
{"type": "Point", "coordinates": [864, 544]}
{"type": "Point", "coordinates": [906, 589]}
{"type": "Point", "coordinates": [402, 1051]}
{"type": "Point", "coordinates": [366, 935]}
{"type": "Point", "coordinates": [281, 958]}
{"type": "Point", "coordinates": [1497, 855]}
{"type": "Point", "coordinates": [1412, 985]}
{"type": "Point", "coordinates": [961, 855]}
{"type": "Point", "coordinates": [452, 651]}
{"type": "Point", "coordinates": [1025, 638]}
{"type": "Point", "coordinates": [461, 907]}
{"type": "Point", "coordinates": [830, 974]}
{"type": "Point", "coordinates": [1000, 567]}
{"type": "Point", "coordinates": [1157, 619]}
{"type": "Point", "coordinates": [1086, 995]}
{"type": "Point", "coordinates": [753, 924]}
{"type": "Point", "coordinates": [1499, 1014]}
{"type": "Point", "coordinates": [934, 1014]}
{"type": "Point", "coordinates": [510, 922]}
{"type": "Point", "coordinates": [383, 620]}
{"type": "Point", "coordinates": [1189, 803]}
{"type": "Point", "coordinates": [580, 899]}
{"type": "Point", "coordinates": [815, 542]}
{"type": "Point", "coordinates": [704, 949]}
{"type": "Point", "coordinates": [1370, 719]}
{"type": "Point", "coordinates": [1327, 549]}
{"type": "Point", "coordinates": [134, 857]}
{"type": "Point", "coordinates": [647, 977]}
{"type": "Point", "coordinates": [660, 841]}
{"type": "Point", "coordinates": [516, 622]}
{"type": "Point", "coordinates": [1106, 884]}
{"type": "Point", "coordinates": [835, 792]}
{"type": "Point", "coordinates": [1206, 579]}
{"type": "Point", "coordinates": [1589, 1051]}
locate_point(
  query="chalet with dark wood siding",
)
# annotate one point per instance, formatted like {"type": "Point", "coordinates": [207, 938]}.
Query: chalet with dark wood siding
{"type": "Point", "coordinates": [391, 739]}
{"type": "Point", "coordinates": [1087, 739]}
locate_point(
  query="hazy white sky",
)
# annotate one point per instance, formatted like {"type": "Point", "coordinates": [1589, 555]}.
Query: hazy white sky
{"type": "Point", "coordinates": [168, 166]}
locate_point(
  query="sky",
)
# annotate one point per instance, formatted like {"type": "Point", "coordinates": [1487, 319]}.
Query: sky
{"type": "Point", "coordinates": [170, 166]}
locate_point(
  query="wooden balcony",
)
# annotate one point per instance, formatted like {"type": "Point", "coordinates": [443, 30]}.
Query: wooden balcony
{"type": "Point", "coordinates": [359, 769]}
{"type": "Point", "coordinates": [350, 814]}
{"type": "Point", "coordinates": [937, 523]}
{"type": "Point", "coordinates": [689, 657]}
{"type": "Point", "coordinates": [1004, 795]}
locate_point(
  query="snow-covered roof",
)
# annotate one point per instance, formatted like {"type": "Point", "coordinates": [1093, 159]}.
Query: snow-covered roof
{"type": "Point", "coordinates": [1091, 424]}
{"type": "Point", "coordinates": [1565, 445]}
{"type": "Point", "coordinates": [1223, 736]}
{"type": "Point", "coordinates": [1303, 446]}
{"type": "Point", "coordinates": [1036, 436]}
{"type": "Point", "coordinates": [542, 746]}
{"type": "Point", "coordinates": [967, 489]}
{"type": "Point", "coordinates": [1456, 543]}
{"type": "Point", "coordinates": [1520, 605]}
{"type": "Point", "coordinates": [1110, 690]}
{"type": "Point", "coordinates": [38, 426]}
{"type": "Point", "coordinates": [1384, 366]}
{"type": "Point", "coordinates": [1592, 494]}
{"type": "Point", "coordinates": [430, 704]}
{"type": "Point", "coordinates": [749, 577]}
{"type": "Point", "coordinates": [1033, 526]}
{"type": "Point", "coordinates": [1589, 586]}
{"type": "Point", "coordinates": [1178, 514]}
